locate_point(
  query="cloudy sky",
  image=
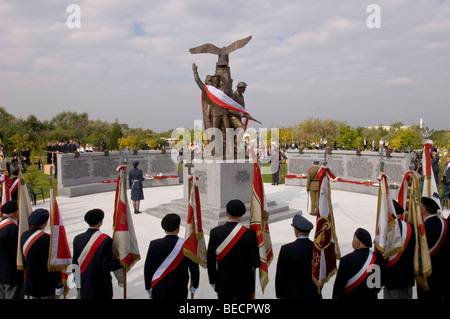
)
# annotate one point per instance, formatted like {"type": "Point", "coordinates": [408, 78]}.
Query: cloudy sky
{"type": "Point", "coordinates": [130, 60]}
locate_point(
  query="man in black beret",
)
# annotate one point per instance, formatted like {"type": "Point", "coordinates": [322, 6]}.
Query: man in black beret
{"type": "Point", "coordinates": [39, 282]}
{"type": "Point", "coordinates": [233, 256]}
{"type": "Point", "coordinates": [92, 251]}
{"type": "Point", "coordinates": [398, 276]}
{"type": "Point", "coordinates": [166, 270]}
{"type": "Point", "coordinates": [293, 279]}
{"type": "Point", "coordinates": [439, 246]}
{"type": "Point", "coordinates": [359, 273]}
{"type": "Point", "coordinates": [11, 279]}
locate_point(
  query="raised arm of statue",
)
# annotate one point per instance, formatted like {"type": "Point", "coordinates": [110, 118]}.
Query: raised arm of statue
{"type": "Point", "coordinates": [199, 82]}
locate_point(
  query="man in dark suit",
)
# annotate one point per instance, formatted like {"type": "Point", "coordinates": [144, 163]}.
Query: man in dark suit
{"type": "Point", "coordinates": [293, 278]}
{"type": "Point", "coordinates": [436, 230]}
{"type": "Point", "coordinates": [11, 279]}
{"type": "Point", "coordinates": [162, 256]}
{"type": "Point", "coordinates": [233, 256]}
{"type": "Point", "coordinates": [96, 279]}
{"type": "Point", "coordinates": [357, 273]}
{"type": "Point", "coordinates": [398, 276]}
{"type": "Point", "coordinates": [39, 282]}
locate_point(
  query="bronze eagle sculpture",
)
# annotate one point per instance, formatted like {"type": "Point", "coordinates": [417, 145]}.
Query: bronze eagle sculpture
{"type": "Point", "coordinates": [221, 52]}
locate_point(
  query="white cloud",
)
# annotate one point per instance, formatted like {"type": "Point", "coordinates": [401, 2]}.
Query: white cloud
{"type": "Point", "coordinates": [303, 54]}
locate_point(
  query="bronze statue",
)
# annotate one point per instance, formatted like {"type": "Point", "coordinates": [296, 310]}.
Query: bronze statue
{"type": "Point", "coordinates": [222, 108]}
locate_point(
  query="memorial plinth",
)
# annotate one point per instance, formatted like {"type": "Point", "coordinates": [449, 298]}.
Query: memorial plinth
{"type": "Point", "coordinates": [219, 183]}
{"type": "Point", "coordinates": [88, 173]}
{"type": "Point", "coordinates": [355, 171]}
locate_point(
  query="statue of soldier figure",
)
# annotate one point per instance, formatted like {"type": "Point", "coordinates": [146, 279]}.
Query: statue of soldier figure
{"type": "Point", "coordinates": [222, 108]}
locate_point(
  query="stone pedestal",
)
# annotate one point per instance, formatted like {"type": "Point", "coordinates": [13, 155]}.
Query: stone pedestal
{"type": "Point", "coordinates": [218, 184]}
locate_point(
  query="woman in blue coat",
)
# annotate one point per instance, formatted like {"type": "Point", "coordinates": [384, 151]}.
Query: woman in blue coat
{"type": "Point", "coordinates": [135, 179]}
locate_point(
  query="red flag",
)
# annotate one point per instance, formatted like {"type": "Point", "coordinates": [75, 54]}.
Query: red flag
{"type": "Point", "coordinates": [326, 248]}
{"type": "Point", "coordinates": [194, 244]}
{"type": "Point", "coordinates": [59, 256]}
{"type": "Point", "coordinates": [429, 183]}
{"type": "Point", "coordinates": [125, 246]}
{"type": "Point", "coordinates": [259, 222]}
{"type": "Point", "coordinates": [6, 184]}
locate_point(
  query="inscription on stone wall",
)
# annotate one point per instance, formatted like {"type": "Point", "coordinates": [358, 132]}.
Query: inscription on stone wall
{"type": "Point", "coordinates": [360, 168]}
{"type": "Point", "coordinates": [105, 167]}
{"type": "Point", "coordinates": [76, 168]}
{"type": "Point", "coordinates": [348, 165]}
{"type": "Point", "coordinates": [162, 164]}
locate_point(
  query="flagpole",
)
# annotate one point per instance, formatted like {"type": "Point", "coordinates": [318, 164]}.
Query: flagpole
{"type": "Point", "coordinates": [124, 184]}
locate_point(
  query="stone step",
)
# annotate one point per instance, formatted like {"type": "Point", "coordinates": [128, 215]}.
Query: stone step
{"type": "Point", "coordinates": [212, 217]}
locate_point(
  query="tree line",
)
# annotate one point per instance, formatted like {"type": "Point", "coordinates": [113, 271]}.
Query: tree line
{"type": "Point", "coordinates": [19, 133]}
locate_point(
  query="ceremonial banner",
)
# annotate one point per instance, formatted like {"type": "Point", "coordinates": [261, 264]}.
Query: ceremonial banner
{"type": "Point", "coordinates": [259, 222]}
{"type": "Point", "coordinates": [6, 194]}
{"type": "Point", "coordinates": [59, 257]}
{"type": "Point", "coordinates": [125, 246]}
{"type": "Point", "coordinates": [25, 209]}
{"type": "Point", "coordinates": [326, 247]}
{"type": "Point", "coordinates": [388, 238]}
{"type": "Point", "coordinates": [429, 183]}
{"type": "Point", "coordinates": [410, 199]}
{"type": "Point", "coordinates": [194, 242]}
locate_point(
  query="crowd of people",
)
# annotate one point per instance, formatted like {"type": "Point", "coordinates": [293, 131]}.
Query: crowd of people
{"type": "Point", "coordinates": [232, 258]}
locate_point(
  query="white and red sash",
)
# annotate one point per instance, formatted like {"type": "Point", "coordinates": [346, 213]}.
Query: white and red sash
{"type": "Point", "coordinates": [7, 222]}
{"type": "Point", "coordinates": [441, 238]}
{"type": "Point", "coordinates": [230, 241]}
{"type": "Point", "coordinates": [406, 235]}
{"type": "Point", "coordinates": [170, 263]}
{"type": "Point", "coordinates": [220, 98]}
{"type": "Point", "coordinates": [361, 274]}
{"type": "Point", "coordinates": [90, 249]}
{"type": "Point", "coordinates": [31, 240]}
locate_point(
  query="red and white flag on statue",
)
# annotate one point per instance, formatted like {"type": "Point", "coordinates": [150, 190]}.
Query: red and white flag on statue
{"type": "Point", "coordinates": [194, 242]}
{"type": "Point", "coordinates": [429, 183]}
{"type": "Point", "coordinates": [388, 238]}
{"type": "Point", "coordinates": [125, 246]}
{"type": "Point", "coordinates": [259, 222]}
{"type": "Point", "coordinates": [223, 100]}
{"type": "Point", "coordinates": [326, 248]}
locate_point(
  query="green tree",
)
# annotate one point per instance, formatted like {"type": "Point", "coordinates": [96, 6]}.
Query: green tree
{"type": "Point", "coordinates": [113, 136]}
{"type": "Point", "coordinates": [349, 138]}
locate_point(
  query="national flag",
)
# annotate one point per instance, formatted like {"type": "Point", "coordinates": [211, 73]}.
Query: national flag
{"type": "Point", "coordinates": [59, 257]}
{"type": "Point", "coordinates": [326, 248]}
{"type": "Point", "coordinates": [223, 100]}
{"type": "Point", "coordinates": [125, 246]}
{"type": "Point", "coordinates": [259, 222]}
{"type": "Point", "coordinates": [429, 183]}
{"type": "Point", "coordinates": [194, 243]}
{"type": "Point", "coordinates": [25, 210]}
{"type": "Point", "coordinates": [410, 199]}
{"type": "Point", "coordinates": [6, 183]}
{"type": "Point", "coordinates": [388, 237]}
